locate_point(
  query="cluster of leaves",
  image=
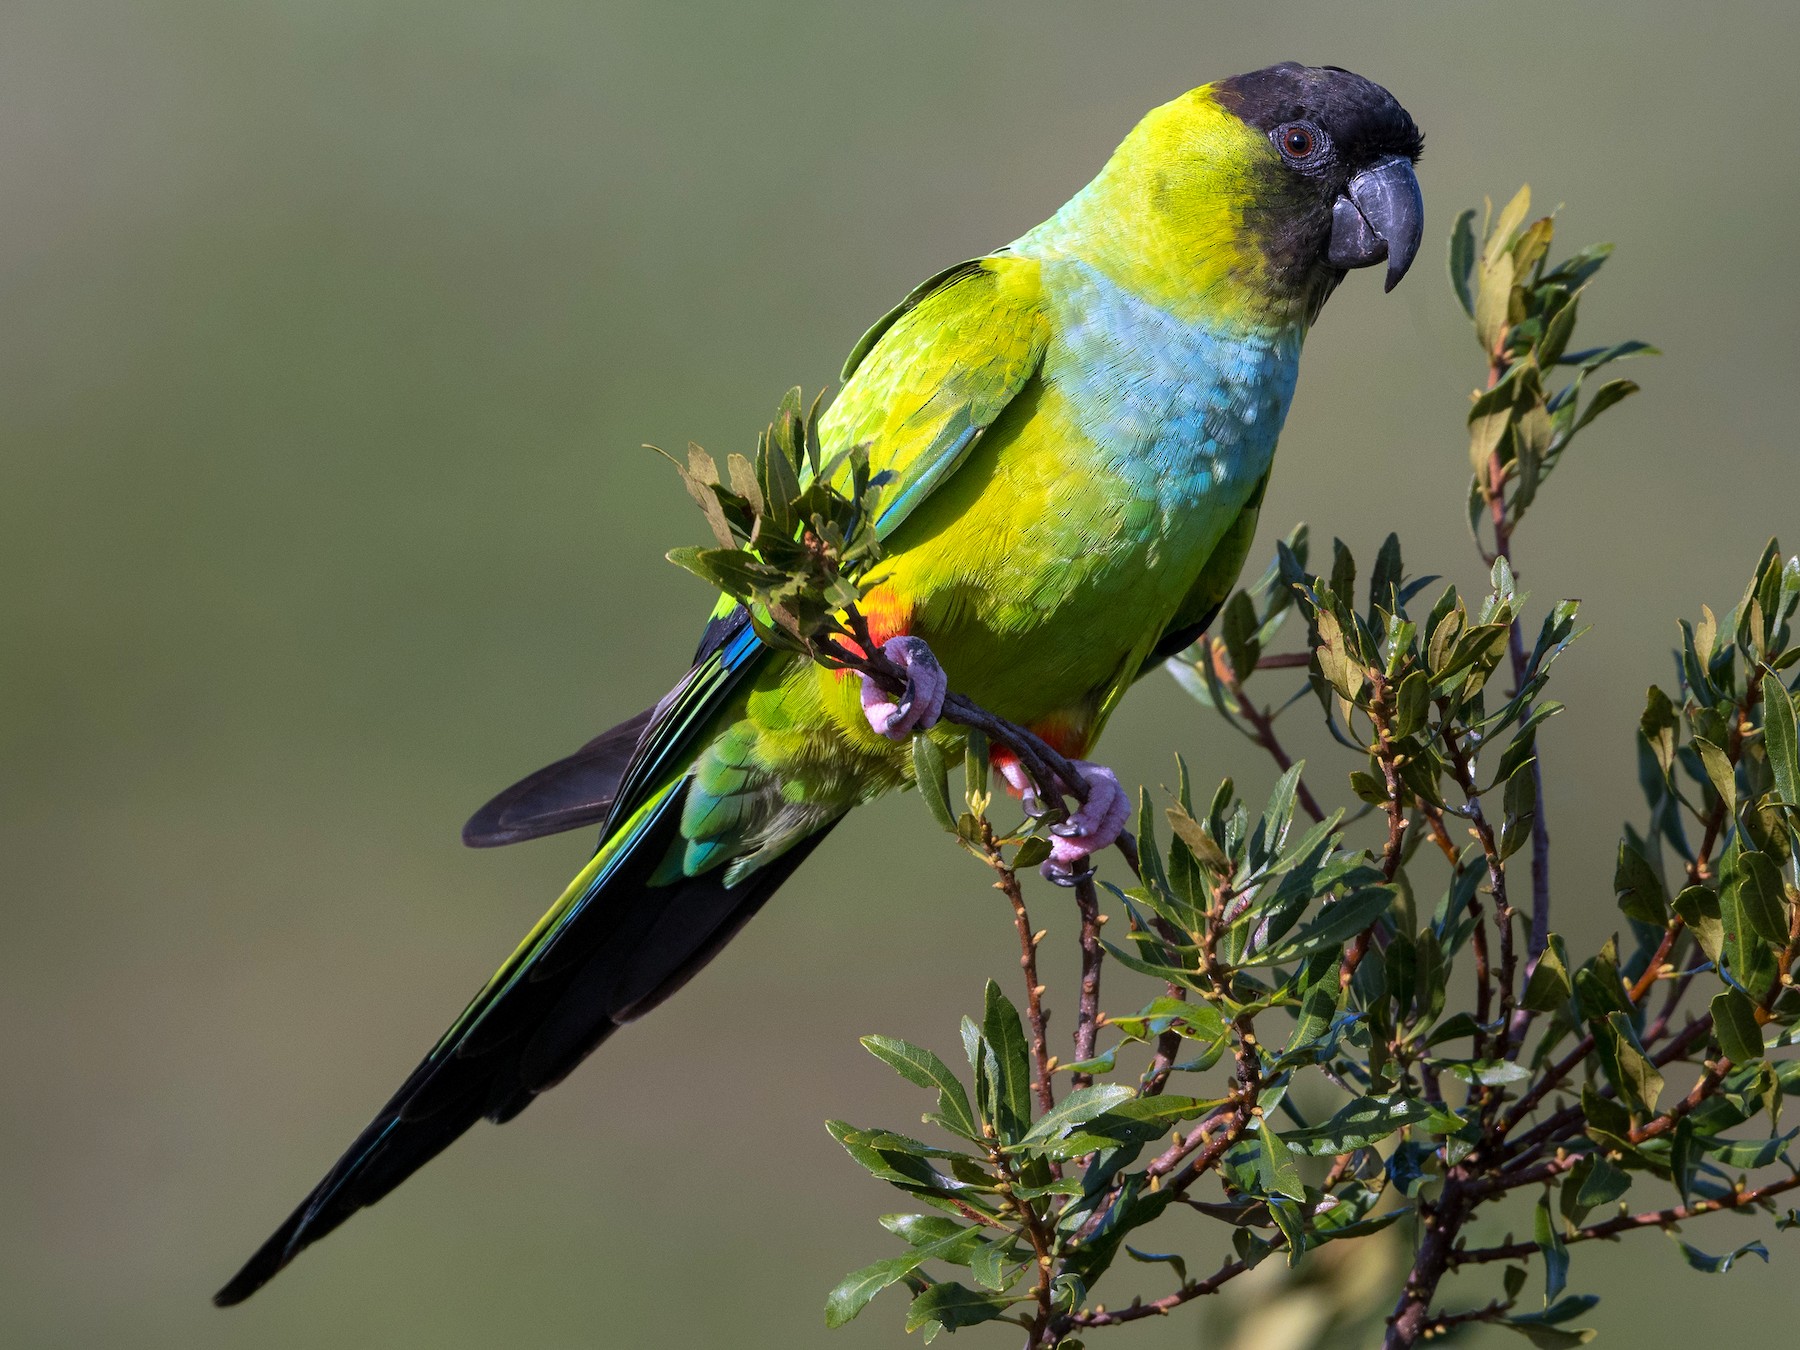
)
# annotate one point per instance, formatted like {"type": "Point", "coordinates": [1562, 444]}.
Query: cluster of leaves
{"type": "Point", "coordinates": [1006, 1203]}
{"type": "Point", "coordinates": [1037, 1204]}
{"type": "Point", "coordinates": [1524, 312]}
{"type": "Point", "coordinates": [796, 537]}
{"type": "Point", "coordinates": [1333, 1041]}
{"type": "Point", "coordinates": [1243, 917]}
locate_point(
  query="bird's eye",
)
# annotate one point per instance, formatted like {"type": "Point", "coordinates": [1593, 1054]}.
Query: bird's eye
{"type": "Point", "coordinates": [1298, 141]}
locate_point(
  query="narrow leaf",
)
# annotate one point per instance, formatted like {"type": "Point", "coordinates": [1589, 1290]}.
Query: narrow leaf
{"type": "Point", "coordinates": [1276, 1170]}
{"type": "Point", "coordinates": [1780, 739]}
{"type": "Point", "coordinates": [924, 1069]}
{"type": "Point", "coordinates": [934, 786]}
{"type": "Point", "coordinates": [1734, 1022]}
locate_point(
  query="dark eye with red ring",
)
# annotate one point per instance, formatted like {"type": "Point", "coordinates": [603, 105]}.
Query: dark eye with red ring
{"type": "Point", "coordinates": [1299, 140]}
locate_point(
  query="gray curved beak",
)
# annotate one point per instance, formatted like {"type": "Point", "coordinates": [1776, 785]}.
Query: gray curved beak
{"type": "Point", "coordinates": [1380, 217]}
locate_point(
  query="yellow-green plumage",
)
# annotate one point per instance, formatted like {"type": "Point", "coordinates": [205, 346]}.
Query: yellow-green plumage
{"type": "Point", "coordinates": [1078, 430]}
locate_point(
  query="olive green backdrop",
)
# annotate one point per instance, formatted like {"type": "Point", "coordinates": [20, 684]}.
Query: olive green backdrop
{"type": "Point", "coordinates": [329, 333]}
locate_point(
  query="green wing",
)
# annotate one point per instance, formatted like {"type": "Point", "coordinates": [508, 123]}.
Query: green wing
{"type": "Point", "coordinates": [935, 372]}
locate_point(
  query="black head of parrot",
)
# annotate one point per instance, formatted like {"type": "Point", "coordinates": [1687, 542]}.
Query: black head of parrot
{"type": "Point", "coordinates": [1343, 193]}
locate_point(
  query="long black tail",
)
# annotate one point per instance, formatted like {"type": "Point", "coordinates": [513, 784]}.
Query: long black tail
{"type": "Point", "coordinates": [618, 955]}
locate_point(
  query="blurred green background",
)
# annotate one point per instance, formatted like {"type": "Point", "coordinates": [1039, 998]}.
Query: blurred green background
{"type": "Point", "coordinates": [331, 333]}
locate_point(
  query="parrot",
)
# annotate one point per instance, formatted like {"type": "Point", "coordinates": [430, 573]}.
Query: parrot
{"type": "Point", "coordinates": [1074, 434]}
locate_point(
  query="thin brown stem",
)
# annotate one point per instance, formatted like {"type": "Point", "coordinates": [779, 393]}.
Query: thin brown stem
{"type": "Point", "coordinates": [1162, 1307]}
{"type": "Point", "coordinates": [1007, 882]}
{"type": "Point", "coordinates": [1484, 978]}
{"type": "Point", "coordinates": [1439, 1223]}
{"type": "Point", "coordinates": [1434, 818]}
{"type": "Point", "coordinates": [1168, 1045]}
{"type": "Point", "coordinates": [1443, 1322]}
{"type": "Point", "coordinates": [1699, 872]}
{"type": "Point", "coordinates": [1204, 1139]}
{"type": "Point", "coordinates": [1087, 1009]}
{"type": "Point", "coordinates": [1515, 644]}
{"type": "Point", "coordinates": [1381, 715]}
{"type": "Point", "coordinates": [1284, 661]}
{"type": "Point", "coordinates": [1262, 721]}
{"type": "Point", "coordinates": [1464, 771]}
{"type": "Point", "coordinates": [1660, 1218]}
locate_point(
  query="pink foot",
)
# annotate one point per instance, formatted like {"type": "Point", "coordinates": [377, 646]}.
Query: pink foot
{"type": "Point", "coordinates": [919, 707]}
{"type": "Point", "coordinates": [1096, 824]}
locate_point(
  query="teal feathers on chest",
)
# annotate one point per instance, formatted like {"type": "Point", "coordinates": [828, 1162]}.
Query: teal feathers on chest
{"type": "Point", "coordinates": [1183, 415]}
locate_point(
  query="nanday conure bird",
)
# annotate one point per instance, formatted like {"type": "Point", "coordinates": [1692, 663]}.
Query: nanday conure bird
{"type": "Point", "coordinates": [1078, 429]}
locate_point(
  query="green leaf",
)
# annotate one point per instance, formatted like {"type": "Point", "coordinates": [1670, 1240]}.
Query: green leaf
{"type": "Point", "coordinates": [1548, 989]}
{"type": "Point", "coordinates": [1613, 391]}
{"type": "Point", "coordinates": [1506, 225]}
{"type": "Point", "coordinates": [1272, 826]}
{"type": "Point", "coordinates": [1520, 805]}
{"type": "Point", "coordinates": [1541, 1329]}
{"type": "Point", "coordinates": [1336, 924]}
{"type": "Point", "coordinates": [1660, 727]}
{"type": "Point", "coordinates": [976, 768]}
{"type": "Point", "coordinates": [1633, 1076]}
{"type": "Point", "coordinates": [1201, 843]}
{"type": "Point", "coordinates": [1492, 300]}
{"type": "Point", "coordinates": [1197, 1021]}
{"type": "Point", "coordinates": [1557, 333]}
{"type": "Point", "coordinates": [1001, 1026]}
{"type": "Point", "coordinates": [1237, 626]}
{"type": "Point", "coordinates": [1718, 1265]}
{"type": "Point", "coordinates": [1030, 853]}
{"type": "Point", "coordinates": [886, 1141]}
{"type": "Point", "coordinates": [1549, 1239]}
{"type": "Point", "coordinates": [1734, 1022]}
{"type": "Point", "coordinates": [856, 1289]}
{"type": "Point", "coordinates": [1699, 908]}
{"type": "Point", "coordinates": [1640, 890]}
{"type": "Point", "coordinates": [1529, 251]}
{"type": "Point", "coordinates": [1318, 1009]}
{"type": "Point", "coordinates": [1170, 1259]}
{"type": "Point", "coordinates": [1598, 987]}
{"type": "Point", "coordinates": [1719, 773]}
{"type": "Point", "coordinates": [1603, 1184]}
{"type": "Point", "coordinates": [1276, 1170]}
{"type": "Point", "coordinates": [1144, 1118]}
{"type": "Point", "coordinates": [1745, 949]}
{"type": "Point", "coordinates": [1762, 896]}
{"type": "Point", "coordinates": [1079, 1107]}
{"type": "Point", "coordinates": [1607, 1120]}
{"type": "Point", "coordinates": [1337, 662]}
{"type": "Point", "coordinates": [919, 1230]}
{"type": "Point", "coordinates": [1291, 1220]}
{"type": "Point", "coordinates": [924, 1069]}
{"type": "Point", "coordinates": [1780, 739]}
{"type": "Point", "coordinates": [1412, 702]}
{"type": "Point", "coordinates": [988, 1266]}
{"type": "Point", "coordinates": [1453, 1027]}
{"type": "Point", "coordinates": [933, 781]}
{"type": "Point", "coordinates": [1489, 1072]}
{"type": "Point", "coordinates": [954, 1305]}
{"type": "Point", "coordinates": [1359, 1124]}
{"type": "Point", "coordinates": [1591, 360]}
{"type": "Point", "coordinates": [1684, 1162]}
{"type": "Point", "coordinates": [1462, 260]}
{"type": "Point", "coordinates": [1746, 1154]}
